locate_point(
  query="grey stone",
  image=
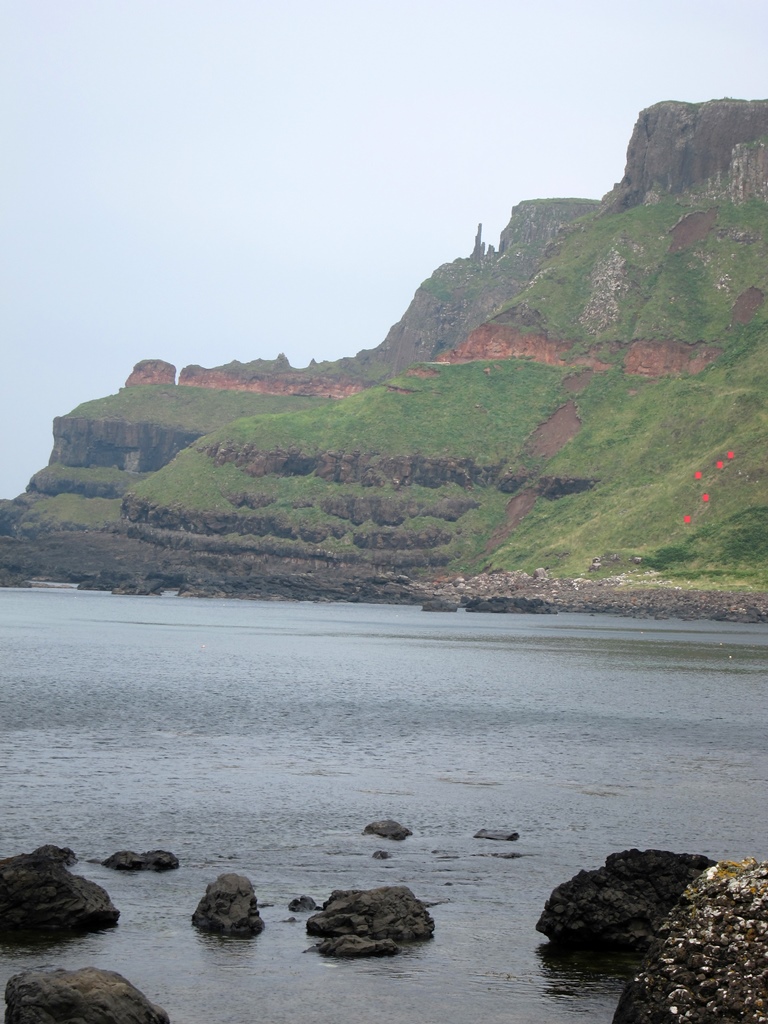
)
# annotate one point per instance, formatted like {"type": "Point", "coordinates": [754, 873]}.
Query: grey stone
{"type": "Point", "coordinates": [387, 829]}
{"type": "Point", "coordinates": [229, 907]}
{"type": "Point", "coordinates": [357, 946]}
{"type": "Point", "coordinates": [388, 912]}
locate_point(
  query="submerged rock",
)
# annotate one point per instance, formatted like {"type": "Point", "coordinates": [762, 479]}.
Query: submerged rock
{"type": "Point", "coordinates": [38, 892]}
{"type": "Point", "coordinates": [302, 903]}
{"type": "Point", "coordinates": [229, 907]}
{"type": "Point", "coordinates": [86, 996]}
{"type": "Point", "coordinates": [389, 912]}
{"type": "Point", "coordinates": [709, 961]}
{"type": "Point", "coordinates": [387, 829]}
{"type": "Point", "coordinates": [357, 946]}
{"type": "Point", "coordinates": [621, 905]}
{"type": "Point", "coordinates": [501, 835]}
{"type": "Point", "coordinates": [151, 860]}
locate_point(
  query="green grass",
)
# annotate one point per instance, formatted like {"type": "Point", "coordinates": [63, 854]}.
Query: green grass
{"type": "Point", "coordinates": [685, 295]}
{"type": "Point", "coordinates": [192, 408]}
{"type": "Point", "coordinates": [461, 411]}
{"type": "Point", "coordinates": [71, 511]}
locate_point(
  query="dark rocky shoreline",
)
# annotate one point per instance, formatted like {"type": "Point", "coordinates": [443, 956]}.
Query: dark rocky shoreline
{"type": "Point", "coordinates": [101, 560]}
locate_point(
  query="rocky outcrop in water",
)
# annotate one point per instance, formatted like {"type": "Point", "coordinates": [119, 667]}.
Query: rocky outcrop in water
{"type": "Point", "coordinates": [229, 907]}
{"type": "Point", "coordinates": [387, 829]}
{"type": "Point", "coordinates": [37, 892]}
{"type": "Point", "coordinates": [85, 996]}
{"type": "Point", "coordinates": [353, 946]}
{"type": "Point", "coordinates": [709, 961]}
{"type": "Point", "coordinates": [621, 905]}
{"type": "Point", "coordinates": [151, 860]}
{"type": "Point", "coordinates": [390, 912]}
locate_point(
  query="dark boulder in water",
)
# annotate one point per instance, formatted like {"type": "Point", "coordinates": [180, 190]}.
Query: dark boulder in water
{"type": "Point", "coordinates": [357, 946]}
{"type": "Point", "coordinates": [387, 829]}
{"type": "Point", "coordinates": [38, 892]}
{"type": "Point", "coordinates": [229, 907]}
{"type": "Point", "coordinates": [621, 905]}
{"type": "Point", "coordinates": [302, 903]}
{"type": "Point", "coordinates": [151, 860]}
{"type": "Point", "coordinates": [389, 912]}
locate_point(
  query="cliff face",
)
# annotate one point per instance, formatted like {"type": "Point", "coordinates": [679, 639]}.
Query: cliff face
{"type": "Point", "coordinates": [135, 447]}
{"type": "Point", "coordinates": [676, 146]}
{"type": "Point", "coordinates": [460, 296]}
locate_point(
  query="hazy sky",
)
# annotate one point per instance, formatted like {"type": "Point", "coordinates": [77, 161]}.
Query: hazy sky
{"type": "Point", "coordinates": [207, 180]}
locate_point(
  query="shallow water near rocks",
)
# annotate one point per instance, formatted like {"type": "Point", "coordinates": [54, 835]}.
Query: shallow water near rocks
{"type": "Point", "coordinates": [262, 737]}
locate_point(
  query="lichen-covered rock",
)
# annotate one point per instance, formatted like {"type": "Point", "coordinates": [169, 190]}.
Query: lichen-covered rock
{"type": "Point", "coordinates": [38, 892]}
{"type": "Point", "coordinates": [86, 996]}
{"type": "Point", "coordinates": [389, 912]}
{"type": "Point", "coordinates": [357, 946]}
{"type": "Point", "coordinates": [387, 829]}
{"type": "Point", "coordinates": [710, 959]}
{"type": "Point", "coordinates": [621, 905]}
{"type": "Point", "coordinates": [229, 907]}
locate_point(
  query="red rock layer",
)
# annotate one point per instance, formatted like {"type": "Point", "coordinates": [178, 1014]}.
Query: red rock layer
{"type": "Point", "coordinates": [295, 383]}
{"type": "Point", "coordinates": [658, 358]}
{"type": "Point", "coordinates": [645, 358]}
{"type": "Point", "coordinates": [502, 341]}
{"type": "Point", "coordinates": [152, 371]}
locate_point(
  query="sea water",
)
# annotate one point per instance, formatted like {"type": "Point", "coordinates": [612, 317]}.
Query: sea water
{"type": "Point", "coordinates": [261, 738]}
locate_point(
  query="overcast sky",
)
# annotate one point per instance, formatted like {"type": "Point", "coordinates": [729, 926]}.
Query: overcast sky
{"type": "Point", "coordinates": [208, 180]}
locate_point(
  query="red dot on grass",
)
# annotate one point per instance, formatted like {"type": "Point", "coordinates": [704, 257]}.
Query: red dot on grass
{"type": "Point", "coordinates": [730, 455]}
{"type": "Point", "coordinates": [719, 465]}
{"type": "Point", "coordinates": [705, 497]}
{"type": "Point", "coordinates": [686, 519]}
{"type": "Point", "coordinates": [697, 475]}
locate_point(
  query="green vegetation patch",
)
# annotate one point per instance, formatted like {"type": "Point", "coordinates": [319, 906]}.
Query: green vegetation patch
{"type": "Point", "coordinates": [618, 277]}
{"type": "Point", "coordinates": [191, 408]}
{"type": "Point", "coordinates": [71, 512]}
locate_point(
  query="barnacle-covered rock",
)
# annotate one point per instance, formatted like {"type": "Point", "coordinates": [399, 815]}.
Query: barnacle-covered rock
{"type": "Point", "coordinates": [710, 959]}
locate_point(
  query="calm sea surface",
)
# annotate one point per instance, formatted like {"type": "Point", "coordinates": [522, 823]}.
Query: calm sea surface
{"type": "Point", "coordinates": [261, 738]}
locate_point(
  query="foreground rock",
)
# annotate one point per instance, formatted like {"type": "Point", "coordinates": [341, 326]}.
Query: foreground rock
{"type": "Point", "coordinates": [229, 907]}
{"type": "Point", "coordinates": [38, 892]}
{"type": "Point", "coordinates": [710, 958]}
{"type": "Point", "coordinates": [621, 905]}
{"type": "Point", "coordinates": [151, 860]}
{"type": "Point", "coordinates": [387, 829]}
{"type": "Point", "coordinates": [389, 912]}
{"type": "Point", "coordinates": [87, 996]}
